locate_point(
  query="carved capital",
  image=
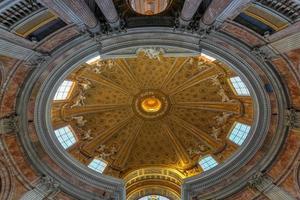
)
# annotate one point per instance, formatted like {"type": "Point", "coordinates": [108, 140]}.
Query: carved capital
{"type": "Point", "coordinates": [46, 187]}
{"type": "Point", "coordinates": [49, 183]}
{"type": "Point", "coordinates": [293, 118]}
{"type": "Point", "coordinates": [205, 30]}
{"type": "Point", "coordinates": [37, 59]}
{"type": "Point", "coordinates": [260, 181]}
{"type": "Point", "coordinates": [260, 53]}
{"type": "Point", "coordinates": [9, 124]}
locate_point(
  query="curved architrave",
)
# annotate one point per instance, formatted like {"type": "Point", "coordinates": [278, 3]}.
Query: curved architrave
{"type": "Point", "coordinates": [297, 176]}
{"type": "Point", "coordinates": [162, 37]}
{"type": "Point", "coordinates": [153, 189]}
{"type": "Point", "coordinates": [6, 189]}
{"type": "Point", "coordinates": [1, 74]}
{"type": "Point", "coordinates": [170, 178]}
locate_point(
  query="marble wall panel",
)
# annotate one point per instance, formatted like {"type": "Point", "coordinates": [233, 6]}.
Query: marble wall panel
{"type": "Point", "coordinates": [11, 91]}
{"type": "Point", "coordinates": [289, 79]}
{"type": "Point", "coordinates": [243, 34]}
{"type": "Point", "coordinates": [58, 38]}
{"type": "Point", "coordinates": [287, 157]}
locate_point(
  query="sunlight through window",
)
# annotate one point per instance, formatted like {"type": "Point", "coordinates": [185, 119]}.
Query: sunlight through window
{"type": "Point", "coordinates": [208, 163]}
{"type": "Point", "coordinates": [65, 136]}
{"type": "Point", "coordinates": [63, 90]}
{"type": "Point", "coordinates": [239, 86]}
{"type": "Point", "coordinates": [239, 133]}
{"type": "Point", "coordinates": [97, 165]}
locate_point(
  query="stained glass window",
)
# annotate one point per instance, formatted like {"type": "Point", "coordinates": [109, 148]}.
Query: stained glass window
{"type": "Point", "coordinates": [97, 165]}
{"type": "Point", "coordinates": [207, 163]}
{"type": "Point", "coordinates": [65, 136]}
{"type": "Point", "coordinates": [63, 90]}
{"type": "Point", "coordinates": [239, 133]}
{"type": "Point", "coordinates": [239, 86]}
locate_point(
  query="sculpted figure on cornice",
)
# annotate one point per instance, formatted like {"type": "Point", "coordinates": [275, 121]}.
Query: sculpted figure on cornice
{"type": "Point", "coordinates": [86, 135]}
{"type": "Point", "coordinates": [199, 150]}
{"type": "Point", "coordinates": [105, 152]}
{"type": "Point", "coordinates": [151, 52]}
{"type": "Point", "coordinates": [79, 100]}
{"type": "Point", "coordinates": [80, 121]}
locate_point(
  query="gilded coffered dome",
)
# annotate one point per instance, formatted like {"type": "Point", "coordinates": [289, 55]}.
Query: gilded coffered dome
{"type": "Point", "coordinates": [152, 113]}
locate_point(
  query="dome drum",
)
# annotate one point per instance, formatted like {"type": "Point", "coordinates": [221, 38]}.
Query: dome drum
{"type": "Point", "coordinates": [62, 69]}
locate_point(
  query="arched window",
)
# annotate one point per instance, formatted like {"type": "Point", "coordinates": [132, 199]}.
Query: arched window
{"type": "Point", "coordinates": [97, 165]}
{"type": "Point", "coordinates": [154, 197]}
{"type": "Point", "coordinates": [239, 86]}
{"type": "Point", "coordinates": [63, 91]}
{"type": "Point", "coordinates": [239, 133]}
{"type": "Point", "coordinates": [65, 136]}
{"type": "Point", "coordinates": [207, 163]}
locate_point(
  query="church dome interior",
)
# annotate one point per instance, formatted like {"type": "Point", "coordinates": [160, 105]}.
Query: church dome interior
{"type": "Point", "coordinates": [149, 100]}
{"type": "Point", "coordinates": [120, 116]}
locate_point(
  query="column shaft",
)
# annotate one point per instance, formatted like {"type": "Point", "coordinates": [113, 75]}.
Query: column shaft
{"type": "Point", "coordinates": [189, 9]}
{"type": "Point", "coordinates": [109, 11]}
{"type": "Point", "coordinates": [73, 11]}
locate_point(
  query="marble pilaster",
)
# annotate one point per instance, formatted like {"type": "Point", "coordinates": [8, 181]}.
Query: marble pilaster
{"type": "Point", "coordinates": [265, 185]}
{"type": "Point", "coordinates": [221, 10]}
{"type": "Point", "coordinates": [14, 50]}
{"type": "Point", "coordinates": [45, 188]}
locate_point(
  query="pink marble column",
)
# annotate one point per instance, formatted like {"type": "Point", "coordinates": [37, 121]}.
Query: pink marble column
{"type": "Point", "coordinates": [189, 9]}
{"type": "Point", "coordinates": [73, 11]}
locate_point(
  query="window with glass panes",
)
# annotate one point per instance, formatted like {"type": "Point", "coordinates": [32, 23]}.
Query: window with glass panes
{"type": "Point", "coordinates": [97, 165]}
{"type": "Point", "coordinates": [207, 163]}
{"type": "Point", "coordinates": [239, 86]}
{"type": "Point", "coordinates": [63, 90]}
{"type": "Point", "coordinates": [65, 136]}
{"type": "Point", "coordinates": [239, 133]}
